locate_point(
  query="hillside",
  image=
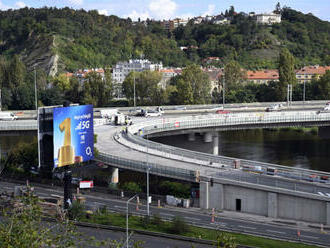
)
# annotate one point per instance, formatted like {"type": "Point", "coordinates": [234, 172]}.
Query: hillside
{"type": "Point", "coordinates": [66, 39]}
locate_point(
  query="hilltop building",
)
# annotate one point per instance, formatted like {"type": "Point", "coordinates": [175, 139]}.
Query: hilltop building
{"type": "Point", "coordinates": [268, 19]}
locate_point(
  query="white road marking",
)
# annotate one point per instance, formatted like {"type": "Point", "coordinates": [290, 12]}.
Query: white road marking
{"type": "Point", "coordinates": [311, 237]}
{"type": "Point", "coordinates": [120, 207]}
{"type": "Point", "coordinates": [191, 218]}
{"type": "Point", "coordinates": [248, 227]}
{"type": "Point", "coordinates": [167, 214]}
{"type": "Point", "coordinates": [272, 231]}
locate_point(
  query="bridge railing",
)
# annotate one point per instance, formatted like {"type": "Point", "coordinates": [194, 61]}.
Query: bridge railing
{"type": "Point", "coordinates": [156, 169]}
{"type": "Point", "coordinates": [143, 129]}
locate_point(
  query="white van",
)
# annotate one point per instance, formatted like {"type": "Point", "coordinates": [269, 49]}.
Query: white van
{"type": "Point", "coordinates": [7, 116]}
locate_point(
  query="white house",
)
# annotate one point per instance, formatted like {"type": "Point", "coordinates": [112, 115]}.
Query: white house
{"type": "Point", "coordinates": [268, 19]}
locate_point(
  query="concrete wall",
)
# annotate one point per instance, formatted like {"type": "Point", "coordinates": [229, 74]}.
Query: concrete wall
{"type": "Point", "coordinates": [303, 209]}
{"type": "Point", "coordinates": [284, 205]}
{"type": "Point", "coordinates": [252, 201]}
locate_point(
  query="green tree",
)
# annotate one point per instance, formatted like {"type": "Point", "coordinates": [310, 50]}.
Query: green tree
{"type": "Point", "coordinates": [199, 83]}
{"type": "Point", "coordinates": [287, 74]}
{"type": "Point", "coordinates": [96, 91]}
{"type": "Point", "coordinates": [233, 75]}
{"type": "Point", "coordinates": [184, 92]}
{"type": "Point", "coordinates": [323, 86]}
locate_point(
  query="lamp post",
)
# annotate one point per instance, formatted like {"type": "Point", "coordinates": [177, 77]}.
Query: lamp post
{"type": "Point", "coordinates": [223, 92]}
{"type": "Point", "coordinates": [148, 169]}
{"type": "Point", "coordinates": [127, 218]}
{"type": "Point", "coordinates": [35, 89]}
{"type": "Point", "coordinates": [304, 94]}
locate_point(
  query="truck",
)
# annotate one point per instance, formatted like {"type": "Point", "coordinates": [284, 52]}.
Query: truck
{"type": "Point", "coordinates": [108, 113]}
{"type": "Point", "coordinates": [121, 119]}
{"type": "Point", "coordinates": [7, 116]}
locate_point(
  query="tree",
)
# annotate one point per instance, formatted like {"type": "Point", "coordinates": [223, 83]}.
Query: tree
{"type": "Point", "coordinates": [287, 74]}
{"type": "Point", "coordinates": [184, 92]}
{"type": "Point", "coordinates": [277, 8]}
{"type": "Point", "coordinates": [96, 91]}
{"type": "Point", "coordinates": [233, 75]}
{"type": "Point", "coordinates": [323, 85]}
{"type": "Point", "coordinates": [195, 80]}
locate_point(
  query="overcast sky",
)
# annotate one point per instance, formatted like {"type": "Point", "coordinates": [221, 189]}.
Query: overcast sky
{"type": "Point", "coordinates": [168, 9]}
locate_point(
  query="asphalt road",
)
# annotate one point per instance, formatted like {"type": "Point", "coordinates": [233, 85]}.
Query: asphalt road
{"type": "Point", "coordinates": [229, 221]}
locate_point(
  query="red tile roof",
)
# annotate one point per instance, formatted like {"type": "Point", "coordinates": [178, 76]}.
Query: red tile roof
{"type": "Point", "coordinates": [314, 69]}
{"type": "Point", "coordinates": [262, 75]}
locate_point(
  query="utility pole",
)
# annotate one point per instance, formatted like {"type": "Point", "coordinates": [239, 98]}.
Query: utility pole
{"type": "Point", "coordinates": [223, 92]}
{"type": "Point", "coordinates": [148, 169]}
{"type": "Point", "coordinates": [35, 88]}
{"type": "Point", "coordinates": [289, 95]}
{"type": "Point", "coordinates": [304, 94]}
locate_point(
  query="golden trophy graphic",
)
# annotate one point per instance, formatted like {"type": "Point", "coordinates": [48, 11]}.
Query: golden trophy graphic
{"type": "Point", "coordinates": [66, 154]}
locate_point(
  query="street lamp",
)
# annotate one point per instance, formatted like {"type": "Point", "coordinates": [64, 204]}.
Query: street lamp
{"type": "Point", "coordinates": [148, 170]}
{"type": "Point", "coordinates": [35, 89]}
{"type": "Point", "coordinates": [127, 218]}
{"type": "Point", "coordinates": [223, 92]}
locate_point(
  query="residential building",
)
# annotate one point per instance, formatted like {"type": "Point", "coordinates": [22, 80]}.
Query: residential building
{"type": "Point", "coordinates": [167, 74]}
{"type": "Point", "coordinates": [307, 73]}
{"type": "Point", "coordinates": [122, 69]}
{"type": "Point", "coordinates": [214, 75]}
{"type": "Point", "coordinates": [173, 24]}
{"type": "Point", "coordinates": [262, 77]}
{"type": "Point", "coordinates": [268, 19]}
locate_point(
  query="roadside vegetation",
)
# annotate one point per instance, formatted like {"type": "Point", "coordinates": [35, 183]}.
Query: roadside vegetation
{"type": "Point", "coordinates": [179, 227]}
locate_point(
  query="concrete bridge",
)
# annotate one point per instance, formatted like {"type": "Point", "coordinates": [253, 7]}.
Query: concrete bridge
{"type": "Point", "coordinates": [225, 183]}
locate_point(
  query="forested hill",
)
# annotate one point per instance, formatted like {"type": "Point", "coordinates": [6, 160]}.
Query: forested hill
{"type": "Point", "coordinates": [67, 39]}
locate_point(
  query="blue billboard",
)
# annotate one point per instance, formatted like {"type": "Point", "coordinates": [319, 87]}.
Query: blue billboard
{"type": "Point", "coordinates": [73, 135]}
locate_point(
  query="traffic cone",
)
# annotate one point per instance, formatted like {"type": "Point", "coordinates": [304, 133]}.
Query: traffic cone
{"type": "Point", "coordinates": [137, 203]}
{"type": "Point", "coordinates": [158, 205]}
{"type": "Point", "coordinates": [212, 219]}
{"type": "Point", "coordinates": [298, 233]}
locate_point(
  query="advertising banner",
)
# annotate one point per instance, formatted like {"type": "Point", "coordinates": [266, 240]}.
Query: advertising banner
{"type": "Point", "coordinates": [73, 135]}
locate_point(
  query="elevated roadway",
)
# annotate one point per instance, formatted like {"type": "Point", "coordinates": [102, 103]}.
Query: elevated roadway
{"type": "Point", "coordinates": [221, 185]}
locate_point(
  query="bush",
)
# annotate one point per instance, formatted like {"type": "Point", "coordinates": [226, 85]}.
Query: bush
{"type": "Point", "coordinates": [76, 211]}
{"type": "Point", "coordinates": [176, 189]}
{"type": "Point", "coordinates": [156, 220]}
{"type": "Point", "coordinates": [132, 186]}
{"type": "Point", "coordinates": [178, 226]}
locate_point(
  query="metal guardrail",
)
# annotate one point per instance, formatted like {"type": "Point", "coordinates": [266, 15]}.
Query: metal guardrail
{"type": "Point", "coordinates": [143, 167]}
{"type": "Point", "coordinates": [233, 119]}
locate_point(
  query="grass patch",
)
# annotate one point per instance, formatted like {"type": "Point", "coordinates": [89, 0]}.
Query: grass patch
{"type": "Point", "coordinates": [156, 224]}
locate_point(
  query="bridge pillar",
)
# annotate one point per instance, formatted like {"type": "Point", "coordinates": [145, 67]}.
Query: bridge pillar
{"type": "Point", "coordinates": [215, 143]}
{"type": "Point", "coordinates": [208, 137]}
{"type": "Point", "coordinates": [191, 137]}
{"type": "Point", "coordinates": [204, 195]}
{"type": "Point", "coordinates": [328, 213]}
{"type": "Point", "coordinates": [216, 197]}
{"type": "Point", "coordinates": [324, 132]}
{"type": "Point", "coordinates": [272, 205]}
{"type": "Point", "coordinates": [115, 176]}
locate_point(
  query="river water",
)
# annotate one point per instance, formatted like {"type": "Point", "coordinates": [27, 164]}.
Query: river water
{"type": "Point", "coordinates": [285, 147]}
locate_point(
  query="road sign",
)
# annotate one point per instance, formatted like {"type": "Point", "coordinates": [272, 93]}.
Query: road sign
{"type": "Point", "coordinates": [86, 184]}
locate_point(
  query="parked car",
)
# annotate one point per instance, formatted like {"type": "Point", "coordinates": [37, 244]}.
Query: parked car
{"type": "Point", "coordinates": [274, 107]}
{"type": "Point", "coordinates": [149, 113]}
{"type": "Point", "coordinates": [180, 108]}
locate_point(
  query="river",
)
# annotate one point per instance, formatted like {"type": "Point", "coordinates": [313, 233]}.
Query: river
{"type": "Point", "coordinates": [285, 147]}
